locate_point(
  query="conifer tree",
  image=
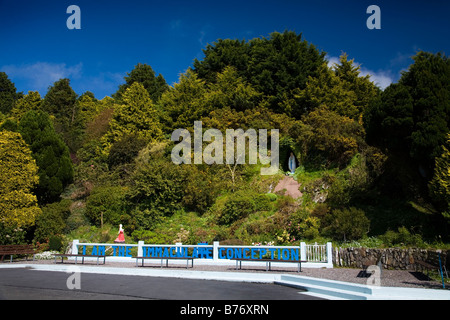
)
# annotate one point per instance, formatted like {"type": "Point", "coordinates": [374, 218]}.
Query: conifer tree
{"type": "Point", "coordinates": [146, 76]}
{"type": "Point", "coordinates": [136, 115]}
{"type": "Point", "coordinates": [8, 94]}
{"type": "Point", "coordinates": [51, 155]}
{"type": "Point", "coordinates": [18, 205]}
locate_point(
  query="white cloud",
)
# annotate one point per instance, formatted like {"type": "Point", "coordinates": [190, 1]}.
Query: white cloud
{"type": "Point", "coordinates": [40, 75]}
{"type": "Point", "coordinates": [381, 78]}
{"type": "Point", "coordinates": [332, 61]}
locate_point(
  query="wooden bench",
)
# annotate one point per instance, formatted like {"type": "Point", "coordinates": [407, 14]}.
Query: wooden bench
{"type": "Point", "coordinates": [167, 260]}
{"type": "Point", "coordinates": [432, 262]}
{"type": "Point", "coordinates": [25, 249]}
{"type": "Point", "coordinates": [82, 256]}
{"type": "Point", "coordinates": [268, 262]}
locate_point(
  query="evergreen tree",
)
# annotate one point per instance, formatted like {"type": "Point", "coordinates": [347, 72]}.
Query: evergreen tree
{"type": "Point", "coordinates": [51, 155]}
{"type": "Point", "coordinates": [8, 94]}
{"type": "Point", "coordinates": [428, 82]}
{"type": "Point", "coordinates": [341, 88]}
{"type": "Point", "coordinates": [184, 103]}
{"type": "Point", "coordinates": [278, 66]}
{"type": "Point", "coordinates": [31, 101]}
{"type": "Point", "coordinates": [60, 103]}
{"type": "Point", "coordinates": [18, 205]}
{"type": "Point", "coordinates": [136, 115]}
{"type": "Point", "coordinates": [146, 76]}
{"type": "Point", "coordinates": [413, 115]}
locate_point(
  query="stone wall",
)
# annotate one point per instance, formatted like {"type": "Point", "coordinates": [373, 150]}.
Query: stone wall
{"type": "Point", "coordinates": [391, 258]}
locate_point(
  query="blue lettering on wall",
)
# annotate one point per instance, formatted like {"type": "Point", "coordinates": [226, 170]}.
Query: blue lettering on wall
{"type": "Point", "coordinates": [203, 252]}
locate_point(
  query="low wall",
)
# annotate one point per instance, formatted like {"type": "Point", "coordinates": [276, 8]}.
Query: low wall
{"type": "Point", "coordinates": [391, 258]}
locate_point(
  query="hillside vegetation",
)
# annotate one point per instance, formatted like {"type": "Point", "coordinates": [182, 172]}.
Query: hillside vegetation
{"type": "Point", "coordinates": [372, 165]}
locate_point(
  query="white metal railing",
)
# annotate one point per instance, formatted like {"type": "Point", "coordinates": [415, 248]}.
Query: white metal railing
{"type": "Point", "coordinates": [316, 252]}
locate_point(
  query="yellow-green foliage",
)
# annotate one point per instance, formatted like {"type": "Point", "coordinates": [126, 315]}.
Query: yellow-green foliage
{"type": "Point", "coordinates": [18, 206]}
{"type": "Point", "coordinates": [440, 185]}
{"type": "Point", "coordinates": [136, 115]}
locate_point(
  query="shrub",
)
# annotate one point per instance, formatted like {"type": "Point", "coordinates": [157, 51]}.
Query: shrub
{"type": "Point", "coordinates": [125, 149]}
{"type": "Point", "coordinates": [109, 202]}
{"type": "Point", "coordinates": [11, 235]}
{"type": "Point", "coordinates": [55, 243]}
{"type": "Point", "coordinates": [52, 221]}
{"type": "Point", "coordinates": [150, 237]}
{"type": "Point", "coordinates": [238, 206]}
{"type": "Point", "coordinates": [402, 238]}
{"type": "Point", "coordinates": [158, 187]}
{"type": "Point", "coordinates": [347, 224]}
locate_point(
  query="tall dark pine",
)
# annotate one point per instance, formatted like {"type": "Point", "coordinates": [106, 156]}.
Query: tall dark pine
{"type": "Point", "coordinates": [8, 94]}
{"type": "Point", "coordinates": [145, 75]}
{"type": "Point", "coordinates": [60, 102]}
{"type": "Point", "coordinates": [51, 155]}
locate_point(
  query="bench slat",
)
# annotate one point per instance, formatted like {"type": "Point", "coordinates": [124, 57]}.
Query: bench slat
{"type": "Point", "coordinates": [269, 261]}
{"type": "Point", "coordinates": [167, 260]}
{"type": "Point", "coordinates": [62, 255]}
{"type": "Point", "coordinates": [16, 249]}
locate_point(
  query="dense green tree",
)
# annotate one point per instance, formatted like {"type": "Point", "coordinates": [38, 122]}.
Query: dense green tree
{"type": "Point", "coordinates": [51, 155]}
{"type": "Point", "coordinates": [390, 121]}
{"type": "Point", "coordinates": [230, 90]}
{"type": "Point", "coordinates": [60, 103]}
{"type": "Point", "coordinates": [278, 66]}
{"type": "Point", "coordinates": [145, 75]}
{"type": "Point", "coordinates": [8, 94]}
{"type": "Point", "coordinates": [136, 115]}
{"type": "Point", "coordinates": [107, 205]}
{"type": "Point", "coordinates": [18, 205]}
{"type": "Point", "coordinates": [125, 149]}
{"type": "Point", "coordinates": [341, 88]}
{"type": "Point", "coordinates": [31, 101]}
{"type": "Point", "coordinates": [327, 138]}
{"type": "Point", "coordinates": [428, 81]}
{"type": "Point", "coordinates": [412, 116]}
{"type": "Point", "coordinates": [157, 191]}
{"type": "Point", "coordinates": [183, 104]}
{"type": "Point", "coordinates": [191, 99]}
{"type": "Point", "coordinates": [52, 221]}
{"type": "Point", "coordinates": [347, 224]}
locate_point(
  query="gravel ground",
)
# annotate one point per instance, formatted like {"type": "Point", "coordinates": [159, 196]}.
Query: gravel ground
{"type": "Point", "coordinates": [389, 278]}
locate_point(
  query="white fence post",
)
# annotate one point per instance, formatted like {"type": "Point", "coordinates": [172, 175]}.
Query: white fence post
{"type": "Point", "coordinates": [215, 250]}
{"type": "Point", "coordinates": [302, 251]}
{"type": "Point", "coordinates": [75, 246]}
{"type": "Point", "coordinates": [329, 254]}
{"type": "Point", "coordinates": [140, 251]}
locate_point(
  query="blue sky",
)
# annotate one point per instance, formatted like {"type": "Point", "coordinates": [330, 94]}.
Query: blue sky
{"type": "Point", "coordinates": [37, 48]}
